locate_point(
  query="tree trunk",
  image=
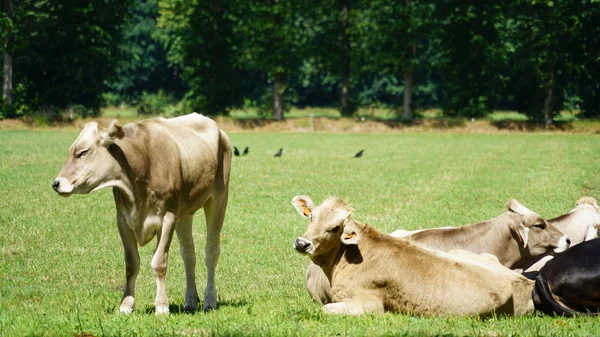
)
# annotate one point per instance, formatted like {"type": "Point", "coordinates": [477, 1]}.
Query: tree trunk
{"type": "Point", "coordinates": [406, 103]}
{"type": "Point", "coordinates": [7, 69]}
{"type": "Point", "coordinates": [548, 107]}
{"type": "Point", "coordinates": [278, 96]}
{"type": "Point", "coordinates": [547, 110]}
{"type": "Point", "coordinates": [346, 109]}
{"type": "Point", "coordinates": [408, 78]}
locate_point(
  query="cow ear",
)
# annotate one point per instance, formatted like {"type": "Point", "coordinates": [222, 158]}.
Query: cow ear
{"type": "Point", "coordinates": [351, 234]}
{"type": "Point", "coordinates": [303, 204]}
{"type": "Point", "coordinates": [522, 233]}
{"type": "Point", "coordinates": [515, 206]}
{"type": "Point", "coordinates": [112, 133]}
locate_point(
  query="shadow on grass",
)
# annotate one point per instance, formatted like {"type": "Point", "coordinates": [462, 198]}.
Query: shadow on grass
{"type": "Point", "coordinates": [177, 308]}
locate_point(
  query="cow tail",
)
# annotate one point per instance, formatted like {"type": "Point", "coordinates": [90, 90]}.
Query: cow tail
{"type": "Point", "coordinates": [544, 301]}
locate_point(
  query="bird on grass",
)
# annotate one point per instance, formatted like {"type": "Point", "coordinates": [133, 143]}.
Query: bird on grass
{"type": "Point", "coordinates": [359, 154]}
{"type": "Point", "coordinates": [236, 152]}
{"type": "Point", "coordinates": [278, 154]}
{"type": "Point", "coordinates": [245, 151]}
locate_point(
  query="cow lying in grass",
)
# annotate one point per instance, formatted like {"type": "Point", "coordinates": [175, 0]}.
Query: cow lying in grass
{"type": "Point", "coordinates": [512, 237]}
{"type": "Point", "coordinates": [580, 224]}
{"type": "Point", "coordinates": [569, 284]}
{"type": "Point", "coordinates": [373, 272]}
{"type": "Point", "coordinates": [517, 234]}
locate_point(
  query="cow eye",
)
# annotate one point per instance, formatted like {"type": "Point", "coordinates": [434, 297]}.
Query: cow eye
{"type": "Point", "coordinates": [81, 153]}
{"type": "Point", "coordinates": [335, 229]}
{"type": "Point", "coordinates": [540, 225]}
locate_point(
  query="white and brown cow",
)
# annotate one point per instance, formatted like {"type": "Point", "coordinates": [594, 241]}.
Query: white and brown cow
{"type": "Point", "coordinates": [161, 171]}
{"type": "Point", "coordinates": [373, 272]}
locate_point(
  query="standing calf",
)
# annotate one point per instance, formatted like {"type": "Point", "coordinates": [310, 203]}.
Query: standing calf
{"type": "Point", "coordinates": [373, 272]}
{"type": "Point", "coordinates": [161, 171]}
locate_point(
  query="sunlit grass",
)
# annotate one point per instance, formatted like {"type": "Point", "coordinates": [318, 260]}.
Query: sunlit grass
{"type": "Point", "coordinates": [62, 271]}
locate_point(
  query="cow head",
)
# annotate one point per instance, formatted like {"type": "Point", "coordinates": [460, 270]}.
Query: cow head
{"type": "Point", "coordinates": [89, 166]}
{"type": "Point", "coordinates": [321, 240]}
{"type": "Point", "coordinates": [535, 234]}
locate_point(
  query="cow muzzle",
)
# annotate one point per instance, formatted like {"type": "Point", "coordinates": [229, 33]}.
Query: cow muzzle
{"type": "Point", "coordinates": [563, 244]}
{"type": "Point", "coordinates": [63, 186]}
{"type": "Point", "coordinates": [304, 246]}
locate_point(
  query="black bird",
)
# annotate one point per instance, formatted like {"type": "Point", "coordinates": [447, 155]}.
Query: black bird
{"type": "Point", "coordinates": [245, 151]}
{"type": "Point", "coordinates": [278, 154]}
{"type": "Point", "coordinates": [359, 154]}
{"type": "Point", "coordinates": [236, 152]}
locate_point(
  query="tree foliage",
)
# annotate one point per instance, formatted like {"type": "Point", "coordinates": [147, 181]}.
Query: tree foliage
{"type": "Point", "coordinates": [467, 57]}
{"type": "Point", "coordinates": [64, 50]}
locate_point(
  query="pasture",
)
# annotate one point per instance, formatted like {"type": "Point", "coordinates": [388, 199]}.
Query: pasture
{"type": "Point", "coordinates": [61, 263]}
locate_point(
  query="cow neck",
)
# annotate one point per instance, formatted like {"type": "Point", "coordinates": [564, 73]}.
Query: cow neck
{"type": "Point", "coordinates": [496, 230]}
{"type": "Point", "coordinates": [330, 266]}
{"type": "Point", "coordinates": [122, 152]}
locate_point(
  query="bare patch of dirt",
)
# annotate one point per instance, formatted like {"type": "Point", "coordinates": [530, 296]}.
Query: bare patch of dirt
{"type": "Point", "coordinates": [339, 125]}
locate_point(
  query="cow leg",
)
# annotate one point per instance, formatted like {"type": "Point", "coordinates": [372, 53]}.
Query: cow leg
{"type": "Point", "coordinates": [355, 308]}
{"type": "Point", "coordinates": [215, 215]}
{"type": "Point", "coordinates": [186, 249]}
{"type": "Point", "coordinates": [317, 284]}
{"type": "Point", "coordinates": [132, 264]}
{"type": "Point", "coordinates": [159, 262]}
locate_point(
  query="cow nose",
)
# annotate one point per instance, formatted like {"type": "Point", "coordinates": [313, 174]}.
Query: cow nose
{"type": "Point", "coordinates": [301, 244]}
{"type": "Point", "coordinates": [55, 184]}
{"type": "Point", "coordinates": [568, 241]}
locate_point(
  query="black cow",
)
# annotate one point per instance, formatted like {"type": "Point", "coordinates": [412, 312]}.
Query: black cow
{"type": "Point", "coordinates": [569, 284]}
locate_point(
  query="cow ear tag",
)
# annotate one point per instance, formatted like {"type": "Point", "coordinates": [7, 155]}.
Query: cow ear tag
{"type": "Point", "coordinates": [303, 204]}
{"type": "Point", "coordinates": [350, 235]}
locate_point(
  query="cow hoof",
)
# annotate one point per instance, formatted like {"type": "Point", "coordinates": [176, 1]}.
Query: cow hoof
{"type": "Point", "coordinates": [210, 300]}
{"type": "Point", "coordinates": [127, 305]}
{"type": "Point", "coordinates": [208, 308]}
{"type": "Point", "coordinates": [191, 305]}
{"type": "Point", "coordinates": [162, 310]}
{"type": "Point", "coordinates": [126, 310]}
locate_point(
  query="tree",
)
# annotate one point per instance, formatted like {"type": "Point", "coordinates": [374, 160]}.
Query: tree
{"type": "Point", "coordinates": [274, 37]}
{"type": "Point", "coordinates": [143, 65]}
{"type": "Point", "coordinates": [393, 31]}
{"type": "Point", "coordinates": [6, 23]}
{"type": "Point", "coordinates": [544, 34]}
{"type": "Point", "coordinates": [65, 51]}
{"type": "Point", "coordinates": [198, 37]}
{"type": "Point", "coordinates": [473, 55]}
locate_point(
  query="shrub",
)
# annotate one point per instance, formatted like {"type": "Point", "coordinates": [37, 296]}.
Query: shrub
{"type": "Point", "coordinates": [154, 104]}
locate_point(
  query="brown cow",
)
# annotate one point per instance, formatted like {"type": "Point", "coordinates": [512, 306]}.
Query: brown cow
{"type": "Point", "coordinates": [512, 237]}
{"type": "Point", "coordinates": [373, 272]}
{"type": "Point", "coordinates": [517, 234]}
{"type": "Point", "coordinates": [161, 171]}
{"type": "Point", "coordinates": [580, 224]}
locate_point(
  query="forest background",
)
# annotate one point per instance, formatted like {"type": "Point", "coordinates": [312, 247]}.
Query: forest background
{"type": "Point", "coordinates": [467, 58]}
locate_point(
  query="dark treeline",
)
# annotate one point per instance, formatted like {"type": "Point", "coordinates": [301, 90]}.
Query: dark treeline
{"type": "Point", "coordinates": [466, 57]}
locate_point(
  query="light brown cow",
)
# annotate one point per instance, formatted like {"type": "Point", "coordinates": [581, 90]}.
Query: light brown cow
{"type": "Point", "coordinates": [516, 235]}
{"type": "Point", "coordinates": [373, 272]}
{"type": "Point", "coordinates": [161, 171]}
{"type": "Point", "coordinates": [580, 224]}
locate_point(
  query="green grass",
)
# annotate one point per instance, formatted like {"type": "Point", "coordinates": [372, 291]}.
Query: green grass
{"type": "Point", "coordinates": [61, 262]}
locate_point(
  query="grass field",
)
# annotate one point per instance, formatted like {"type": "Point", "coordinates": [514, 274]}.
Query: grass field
{"type": "Point", "coordinates": [61, 263]}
